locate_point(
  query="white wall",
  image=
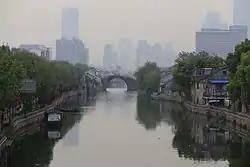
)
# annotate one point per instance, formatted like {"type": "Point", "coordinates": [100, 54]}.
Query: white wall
{"type": "Point", "coordinates": [197, 94]}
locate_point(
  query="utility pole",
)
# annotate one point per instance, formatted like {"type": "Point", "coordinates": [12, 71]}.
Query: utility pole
{"type": "Point", "coordinates": [243, 109]}
{"type": "Point", "coordinates": [195, 99]}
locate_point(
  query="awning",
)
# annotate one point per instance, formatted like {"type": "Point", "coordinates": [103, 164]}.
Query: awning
{"type": "Point", "coordinates": [218, 81]}
{"type": "Point", "coordinates": [214, 101]}
{"type": "Point", "coordinates": [215, 98]}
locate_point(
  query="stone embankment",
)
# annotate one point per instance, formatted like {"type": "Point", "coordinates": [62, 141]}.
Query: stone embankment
{"type": "Point", "coordinates": [36, 116]}
{"type": "Point", "coordinates": [166, 97]}
{"type": "Point", "coordinates": [236, 118]}
{"type": "Point", "coordinates": [21, 122]}
{"type": "Point", "coordinates": [239, 120]}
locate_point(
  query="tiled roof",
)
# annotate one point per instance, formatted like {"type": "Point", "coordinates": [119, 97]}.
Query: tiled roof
{"type": "Point", "coordinates": [213, 74]}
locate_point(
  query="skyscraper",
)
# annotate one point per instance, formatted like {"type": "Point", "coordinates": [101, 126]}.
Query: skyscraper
{"type": "Point", "coordinates": [70, 23]}
{"type": "Point", "coordinates": [213, 20]}
{"type": "Point", "coordinates": [72, 51]}
{"type": "Point", "coordinates": [69, 47]}
{"type": "Point", "coordinates": [142, 53]}
{"type": "Point", "coordinates": [242, 13]}
{"type": "Point", "coordinates": [126, 54]}
{"type": "Point", "coordinates": [220, 41]}
{"type": "Point", "coordinates": [110, 56]}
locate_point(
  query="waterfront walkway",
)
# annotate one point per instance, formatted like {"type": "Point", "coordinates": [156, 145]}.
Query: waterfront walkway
{"type": "Point", "coordinates": [237, 118]}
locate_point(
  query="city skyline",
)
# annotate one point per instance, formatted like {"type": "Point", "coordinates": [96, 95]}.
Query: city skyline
{"type": "Point", "coordinates": [69, 47]}
{"type": "Point", "coordinates": [39, 22]}
{"type": "Point", "coordinates": [70, 23]}
{"type": "Point", "coordinates": [241, 13]}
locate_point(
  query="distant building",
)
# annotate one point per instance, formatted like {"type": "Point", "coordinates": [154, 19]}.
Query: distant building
{"type": "Point", "coordinates": [169, 54]}
{"type": "Point", "coordinates": [213, 20]}
{"type": "Point", "coordinates": [209, 86]}
{"type": "Point", "coordinates": [142, 53]}
{"type": "Point", "coordinates": [86, 56]}
{"type": "Point", "coordinates": [110, 57]}
{"type": "Point", "coordinates": [70, 23]}
{"type": "Point", "coordinates": [159, 56]}
{"type": "Point", "coordinates": [220, 41]}
{"type": "Point", "coordinates": [162, 56]}
{"type": "Point", "coordinates": [72, 51]}
{"type": "Point", "coordinates": [40, 50]}
{"type": "Point", "coordinates": [241, 13]}
{"type": "Point", "coordinates": [126, 54]}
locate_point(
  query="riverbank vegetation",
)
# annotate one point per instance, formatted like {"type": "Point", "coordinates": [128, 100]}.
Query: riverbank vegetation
{"type": "Point", "coordinates": [52, 77]}
{"type": "Point", "coordinates": [186, 63]}
{"type": "Point", "coordinates": [237, 63]}
{"type": "Point", "coordinates": [148, 77]}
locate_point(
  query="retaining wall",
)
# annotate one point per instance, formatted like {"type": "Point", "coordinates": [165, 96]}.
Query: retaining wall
{"type": "Point", "coordinates": [241, 120]}
{"type": "Point", "coordinates": [237, 118]}
{"type": "Point", "coordinates": [37, 116]}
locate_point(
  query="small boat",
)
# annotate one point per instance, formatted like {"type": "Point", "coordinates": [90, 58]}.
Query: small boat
{"type": "Point", "coordinates": [54, 118]}
{"type": "Point", "coordinates": [54, 134]}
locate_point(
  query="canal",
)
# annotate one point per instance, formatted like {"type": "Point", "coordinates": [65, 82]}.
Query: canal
{"type": "Point", "coordinates": [123, 130]}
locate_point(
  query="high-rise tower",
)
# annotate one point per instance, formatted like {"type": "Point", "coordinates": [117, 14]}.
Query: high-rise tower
{"type": "Point", "coordinates": [70, 23]}
{"type": "Point", "coordinates": [241, 13]}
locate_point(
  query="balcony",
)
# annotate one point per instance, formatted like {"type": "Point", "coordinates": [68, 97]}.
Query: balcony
{"type": "Point", "coordinates": [217, 93]}
{"type": "Point", "coordinates": [28, 86]}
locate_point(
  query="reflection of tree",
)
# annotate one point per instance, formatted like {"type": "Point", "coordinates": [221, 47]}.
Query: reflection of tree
{"type": "Point", "coordinates": [183, 142]}
{"type": "Point", "coordinates": [235, 151]}
{"type": "Point", "coordinates": [31, 151]}
{"type": "Point", "coordinates": [69, 120]}
{"type": "Point", "coordinates": [38, 149]}
{"type": "Point", "coordinates": [148, 113]}
{"type": "Point", "coordinates": [239, 155]}
{"type": "Point", "coordinates": [169, 110]}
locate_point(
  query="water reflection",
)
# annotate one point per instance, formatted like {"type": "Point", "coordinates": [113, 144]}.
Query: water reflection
{"type": "Point", "coordinates": [148, 113]}
{"type": "Point", "coordinates": [37, 149]}
{"type": "Point", "coordinates": [193, 139]}
{"type": "Point", "coordinates": [198, 139]}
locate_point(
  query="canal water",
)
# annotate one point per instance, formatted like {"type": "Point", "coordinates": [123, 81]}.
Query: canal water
{"type": "Point", "coordinates": [121, 129]}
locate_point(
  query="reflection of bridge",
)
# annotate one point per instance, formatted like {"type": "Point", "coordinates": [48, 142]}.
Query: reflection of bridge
{"type": "Point", "coordinates": [104, 76]}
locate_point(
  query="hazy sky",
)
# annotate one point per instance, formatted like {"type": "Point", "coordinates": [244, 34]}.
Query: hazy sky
{"type": "Point", "coordinates": [103, 21]}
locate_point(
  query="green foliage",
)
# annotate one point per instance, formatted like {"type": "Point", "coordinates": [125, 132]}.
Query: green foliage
{"type": "Point", "coordinates": [52, 77]}
{"type": "Point", "coordinates": [148, 112]}
{"type": "Point", "coordinates": [187, 62]}
{"type": "Point", "coordinates": [238, 64]}
{"type": "Point", "coordinates": [10, 74]}
{"type": "Point", "coordinates": [233, 59]}
{"type": "Point", "coordinates": [148, 76]}
{"type": "Point", "coordinates": [241, 79]}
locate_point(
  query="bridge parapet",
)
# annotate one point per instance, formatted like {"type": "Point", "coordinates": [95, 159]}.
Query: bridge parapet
{"type": "Point", "coordinates": [106, 75]}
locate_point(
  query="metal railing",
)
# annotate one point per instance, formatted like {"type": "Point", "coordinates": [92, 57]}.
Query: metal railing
{"type": "Point", "coordinates": [218, 109]}
{"type": "Point", "coordinates": [49, 108]}
{"type": "Point", "coordinates": [215, 94]}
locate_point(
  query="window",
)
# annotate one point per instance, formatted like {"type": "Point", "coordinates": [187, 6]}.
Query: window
{"type": "Point", "coordinates": [224, 72]}
{"type": "Point", "coordinates": [198, 85]}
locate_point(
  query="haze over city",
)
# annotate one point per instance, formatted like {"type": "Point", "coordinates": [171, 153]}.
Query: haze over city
{"type": "Point", "coordinates": [102, 22]}
{"type": "Point", "coordinates": [118, 83]}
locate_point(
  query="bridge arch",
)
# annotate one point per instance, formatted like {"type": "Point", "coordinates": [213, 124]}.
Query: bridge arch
{"type": "Point", "coordinates": [130, 81]}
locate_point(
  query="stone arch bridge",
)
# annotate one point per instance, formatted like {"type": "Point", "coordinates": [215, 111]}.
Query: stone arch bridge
{"type": "Point", "coordinates": [104, 76]}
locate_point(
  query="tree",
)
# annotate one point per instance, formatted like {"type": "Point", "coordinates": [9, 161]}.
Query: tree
{"type": "Point", "coordinates": [233, 59]}
{"type": "Point", "coordinates": [52, 77]}
{"type": "Point", "coordinates": [186, 63]}
{"type": "Point", "coordinates": [238, 66]}
{"type": "Point", "coordinates": [10, 75]}
{"type": "Point", "coordinates": [241, 80]}
{"type": "Point", "coordinates": [148, 77]}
